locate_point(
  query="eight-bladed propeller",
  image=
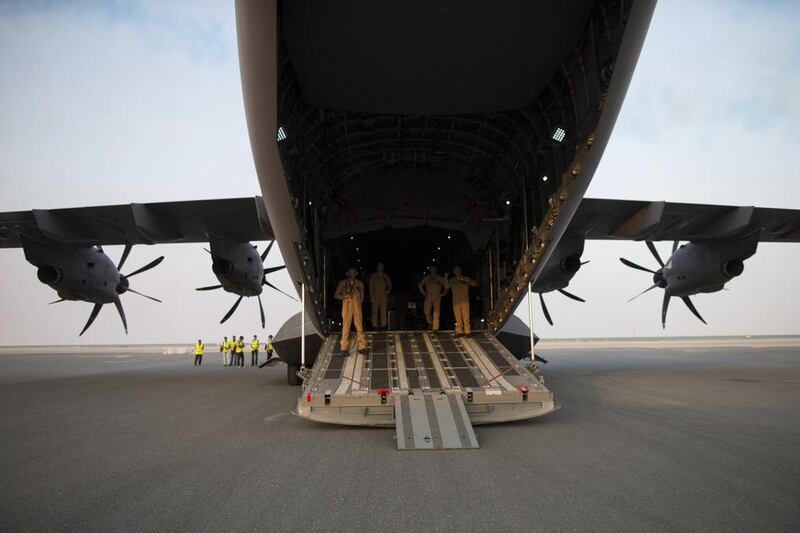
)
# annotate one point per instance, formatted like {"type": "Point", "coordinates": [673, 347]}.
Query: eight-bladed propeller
{"type": "Point", "coordinates": [565, 293]}
{"type": "Point", "coordinates": [122, 288]}
{"type": "Point", "coordinates": [660, 282]}
{"type": "Point", "coordinates": [264, 281]}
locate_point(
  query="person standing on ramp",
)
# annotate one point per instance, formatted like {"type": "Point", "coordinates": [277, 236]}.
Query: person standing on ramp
{"type": "Point", "coordinates": [459, 284]}
{"type": "Point", "coordinates": [351, 292]}
{"type": "Point", "coordinates": [432, 288]}
{"type": "Point", "coordinates": [379, 288]}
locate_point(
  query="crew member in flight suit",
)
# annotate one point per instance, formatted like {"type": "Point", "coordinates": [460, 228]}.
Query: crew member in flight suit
{"type": "Point", "coordinates": [351, 292]}
{"type": "Point", "coordinates": [225, 348]}
{"type": "Point", "coordinates": [432, 288]}
{"type": "Point", "coordinates": [459, 284]}
{"type": "Point", "coordinates": [379, 288]}
{"type": "Point", "coordinates": [198, 353]}
{"type": "Point", "coordinates": [254, 350]}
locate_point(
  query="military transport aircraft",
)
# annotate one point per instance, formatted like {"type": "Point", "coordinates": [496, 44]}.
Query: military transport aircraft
{"type": "Point", "coordinates": [379, 130]}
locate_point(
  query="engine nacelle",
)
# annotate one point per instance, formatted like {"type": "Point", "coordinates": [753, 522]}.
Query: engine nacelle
{"type": "Point", "coordinates": [222, 268]}
{"type": "Point", "coordinates": [733, 268]}
{"type": "Point", "coordinates": [237, 266]}
{"type": "Point", "coordinates": [571, 264]}
{"type": "Point", "coordinates": [49, 275]}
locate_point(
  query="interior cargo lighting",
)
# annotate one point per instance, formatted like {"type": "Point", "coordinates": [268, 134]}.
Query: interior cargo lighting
{"type": "Point", "coordinates": [281, 134]}
{"type": "Point", "coordinates": [559, 134]}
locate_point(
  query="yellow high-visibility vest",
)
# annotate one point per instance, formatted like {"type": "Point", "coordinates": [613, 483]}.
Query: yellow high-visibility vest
{"type": "Point", "coordinates": [254, 344]}
{"type": "Point", "coordinates": [269, 344]}
{"type": "Point", "coordinates": [198, 348]}
{"type": "Point", "coordinates": [226, 345]}
{"type": "Point", "coordinates": [239, 346]}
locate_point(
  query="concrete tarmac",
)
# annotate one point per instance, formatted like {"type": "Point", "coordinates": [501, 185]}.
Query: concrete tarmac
{"type": "Point", "coordinates": [677, 439]}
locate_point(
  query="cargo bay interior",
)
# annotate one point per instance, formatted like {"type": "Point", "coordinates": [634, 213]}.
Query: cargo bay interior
{"type": "Point", "coordinates": [447, 168]}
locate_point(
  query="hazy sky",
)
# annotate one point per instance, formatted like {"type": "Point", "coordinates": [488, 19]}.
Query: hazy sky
{"type": "Point", "coordinates": [118, 102]}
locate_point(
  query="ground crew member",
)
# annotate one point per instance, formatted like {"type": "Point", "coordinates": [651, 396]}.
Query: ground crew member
{"type": "Point", "coordinates": [232, 359]}
{"type": "Point", "coordinates": [254, 350]}
{"type": "Point", "coordinates": [225, 348]}
{"type": "Point", "coordinates": [459, 284]}
{"type": "Point", "coordinates": [432, 288]}
{"type": "Point", "coordinates": [269, 348]}
{"type": "Point", "coordinates": [379, 288]}
{"type": "Point", "coordinates": [351, 292]}
{"type": "Point", "coordinates": [198, 353]}
{"type": "Point", "coordinates": [240, 352]}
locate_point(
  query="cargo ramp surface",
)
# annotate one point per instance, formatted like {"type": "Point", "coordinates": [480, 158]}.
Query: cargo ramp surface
{"type": "Point", "coordinates": [473, 375]}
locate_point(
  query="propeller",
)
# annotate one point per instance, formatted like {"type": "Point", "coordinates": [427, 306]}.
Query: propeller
{"type": "Point", "coordinates": [660, 282]}
{"type": "Point", "coordinates": [264, 282]}
{"type": "Point", "coordinates": [122, 287]}
{"type": "Point", "coordinates": [565, 293]}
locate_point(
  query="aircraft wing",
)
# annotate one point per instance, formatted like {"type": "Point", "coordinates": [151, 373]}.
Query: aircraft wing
{"type": "Point", "coordinates": [659, 221]}
{"type": "Point", "coordinates": [241, 219]}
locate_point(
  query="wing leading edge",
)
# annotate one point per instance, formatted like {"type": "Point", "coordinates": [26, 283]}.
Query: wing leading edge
{"type": "Point", "coordinates": [665, 221]}
{"type": "Point", "coordinates": [240, 219]}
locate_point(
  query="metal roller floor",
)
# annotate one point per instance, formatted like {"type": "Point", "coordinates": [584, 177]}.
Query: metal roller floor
{"type": "Point", "coordinates": [362, 389]}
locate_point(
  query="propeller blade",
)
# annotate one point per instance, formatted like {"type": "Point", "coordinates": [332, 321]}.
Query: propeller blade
{"type": "Point", "coordinates": [652, 248]}
{"type": "Point", "coordinates": [56, 301]}
{"type": "Point", "coordinates": [692, 308]}
{"type": "Point", "coordinates": [268, 284]}
{"type": "Point", "coordinates": [586, 262]}
{"type": "Point", "coordinates": [675, 246]}
{"type": "Point", "coordinates": [266, 251]}
{"type": "Point", "coordinates": [148, 266]}
{"type": "Point", "coordinates": [664, 306]}
{"type": "Point", "coordinates": [227, 316]}
{"type": "Point", "coordinates": [544, 309]}
{"type": "Point", "coordinates": [634, 265]}
{"type": "Point", "coordinates": [207, 250]}
{"type": "Point", "coordinates": [125, 253]}
{"type": "Point", "coordinates": [121, 312]}
{"type": "Point", "coordinates": [210, 288]}
{"type": "Point", "coordinates": [261, 308]}
{"type": "Point", "coordinates": [146, 296]}
{"type": "Point", "coordinates": [570, 295]}
{"type": "Point", "coordinates": [92, 316]}
{"type": "Point", "coordinates": [270, 270]}
{"type": "Point", "coordinates": [651, 287]}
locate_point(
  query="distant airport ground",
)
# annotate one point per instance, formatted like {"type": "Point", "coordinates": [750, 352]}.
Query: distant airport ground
{"type": "Point", "coordinates": [544, 344]}
{"type": "Point", "coordinates": [652, 435]}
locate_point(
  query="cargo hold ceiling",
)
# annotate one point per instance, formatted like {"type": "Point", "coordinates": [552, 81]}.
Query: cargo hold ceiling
{"type": "Point", "coordinates": [420, 57]}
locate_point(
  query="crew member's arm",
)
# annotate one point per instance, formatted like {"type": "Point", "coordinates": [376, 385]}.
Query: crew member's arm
{"type": "Point", "coordinates": [388, 284]}
{"type": "Point", "coordinates": [340, 292]}
{"type": "Point", "coordinates": [446, 284]}
{"type": "Point", "coordinates": [471, 282]}
{"type": "Point", "coordinates": [423, 286]}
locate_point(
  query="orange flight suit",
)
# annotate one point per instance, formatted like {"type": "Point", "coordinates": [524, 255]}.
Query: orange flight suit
{"type": "Point", "coordinates": [434, 286]}
{"type": "Point", "coordinates": [379, 287]}
{"type": "Point", "coordinates": [351, 293]}
{"type": "Point", "coordinates": [460, 289]}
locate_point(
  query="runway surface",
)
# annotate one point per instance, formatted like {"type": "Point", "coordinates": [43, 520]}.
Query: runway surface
{"type": "Point", "coordinates": [701, 439]}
